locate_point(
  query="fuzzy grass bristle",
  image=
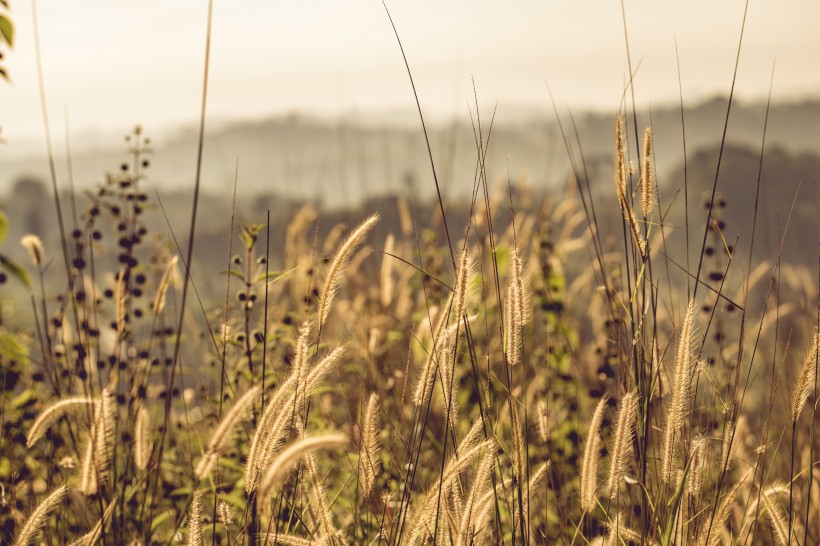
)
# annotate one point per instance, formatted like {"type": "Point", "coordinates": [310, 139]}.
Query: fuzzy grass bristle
{"type": "Point", "coordinates": [678, 410]}
{"type": "Point", "coordinates": [34, 247]}
{"type": "Point", "coordinates": [622, 441]}
{"type": "Point", "coordinates": [589, 465]}
{"type": "Point", "coordinates": [39, 517]}
{"type": "Point", "coordinates": [805, 385]}
{"type": "Point", "coordinates": [338, 264]}
{"type": "Point", "coordinates": [283, 463]}
{"type": "Point", "coordinates": [370, 444]}
{"type": "Point", "coordinates": [224, 430]}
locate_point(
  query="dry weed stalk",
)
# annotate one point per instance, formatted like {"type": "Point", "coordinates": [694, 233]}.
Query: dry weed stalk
{"type": "Point", "coordinates": [710, 534]}
{"type": "Point", "coordinates": [519, 455]}
{"type": "Point", "coordinates": [281, 465]}
{"type": "Point", "coordinates": [39, 517]}
{"type": "Point", "coordinates": [621, 175]}
{"type": "Point", "coordinates": [302, 349]}
{"type": "Point", "coordinates": [434, 356]}
{"type": "Point", "coordinates": [518, 308]}
{"type": "Point", "coordinates": [449, 383]}
{"type": "Point", "coordinates": [805, 381]}
{"type": "Point", "coordinates": [619, 533]}
{"type": "Point", "coordinates": [386, 277]}
{"type": "Point", "coordinates": [681, 391]}
{"type": "Point", "coordinates": [88, 474]}
{"type": "Point", "coordinates": [646, 176]}
{"type": "Point", "coordinates": [531, 489]}
{"type": "Point", "coordinates": [164, 283]}
{"type": "Point", "coordinates": [338, 264]}
{"type": "Point", "coordinates": [589, 466]}
{"type": "Point", "coordinates": [699, 456]}
{"type": "Point", "coordinates": [223, 432]}
{"type": "Point", "coordinates": [370, 444]}
{"type": "Point", "coordinates": [97, 459]}
{"type": "Point", "coordinates": [224, 515]}
{"type": "Point", "coordinates": [622, 443]}
{"type": "Point", "coordinates": [284, 409]}
{"type": "Point", "coordinates": [777, 516]}
{"type": "Point", "coordinates": [320, 499]}
{"type": "Point", "coordinates": [195, 520]}
{"type": "Point", "coordinates": [481, 482]}
{"type": "Point", "coordinates": [50, 416]}
{"type": "Point", "coordinates": [462, 283]}
{"type": "Point", "coordinates": [441, 354]}
{"type": "Point", "coordinates": [142, 439]}
{"type": "Point", "coordinates": [735, 433]}
{"type": "Point", "coordinates": [34, 246]}
{"type": "Point", "coordinates": [120, 297]}
{"type": "Point", "coordinates": [544, 426]}
{"type": "Point", "coordinates": [91, 538]}
{"type": "Point", "coordinates": [293, 540]}
{"type": "Point", "coordinates": [469, 449]}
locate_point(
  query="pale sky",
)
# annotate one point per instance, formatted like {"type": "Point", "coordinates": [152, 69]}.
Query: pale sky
{"type": "Point", "coordinates": [113, 63]}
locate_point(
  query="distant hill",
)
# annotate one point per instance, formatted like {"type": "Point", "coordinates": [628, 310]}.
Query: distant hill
{"type": "Point", "coordinates": [784, 177]}
{"type": "Point", "coordinates": [338, 163]}
{"type": "Point", "coordinates": [29, 207]}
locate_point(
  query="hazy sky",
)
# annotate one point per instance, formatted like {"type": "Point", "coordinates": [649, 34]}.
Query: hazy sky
{"type": "Point", "coordinates": [112, 63]}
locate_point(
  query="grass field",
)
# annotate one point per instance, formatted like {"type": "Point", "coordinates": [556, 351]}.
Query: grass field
{"type": "Point", "coordinates": [525, 377]}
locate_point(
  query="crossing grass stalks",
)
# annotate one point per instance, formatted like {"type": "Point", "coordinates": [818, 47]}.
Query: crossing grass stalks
{"type": "Point", "coordinates": [418, 395]}
{"type": "Point", "coordinates": [290, 464]}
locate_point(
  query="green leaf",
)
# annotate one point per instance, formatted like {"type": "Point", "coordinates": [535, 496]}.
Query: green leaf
{"type": "Point", "coordinates": [13, 349]}
{"type": "Point", "coordinates": [250, 234]}
{"type": "Point", "coordinates": [233, 273]}
{"type": "Point", "coordinates": [159, 520]}
{"type": "Point", "coordinates": [228, 462]}
{"type": "Point", "coordinates": [675, 504]}
{"type": "Point", "coordinates": [181, 492]}
{"type": "Point", "coordinates": [4, 226]}
{"type": "Point", "coordinates": [24, 399]}
{"type": "Point", "coordinates": [274, 276]}
{"type": "Point", "coordinates": [15, 270]}
{"type": "Point", "coordinates": [7, 30]}
{"type": "Point", "coordinates": [502, 257]}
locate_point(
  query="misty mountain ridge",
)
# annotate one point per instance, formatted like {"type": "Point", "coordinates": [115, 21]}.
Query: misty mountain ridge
{"type": "Point", "coordinates": [338, 163]}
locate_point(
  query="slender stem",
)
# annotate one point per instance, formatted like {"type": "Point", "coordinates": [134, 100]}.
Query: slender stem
{"type": "Point", "coordinates": [791, 482]}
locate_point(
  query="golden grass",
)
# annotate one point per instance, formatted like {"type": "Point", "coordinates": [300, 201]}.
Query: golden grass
{"type": "Point", "coordinates": [476, 398]}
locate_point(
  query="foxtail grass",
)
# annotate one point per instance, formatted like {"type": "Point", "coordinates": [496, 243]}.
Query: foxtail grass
{"type": "Point", "coordinates": [518, 308]}
{"type": "Point", "coordinates": [281, 415]}
{"type": "Point", "coordinates": [622, 441]}
{"type": "Point", "coordinates": [804, 387]}
{"type": "Point", "coordinates": [592, 454]}
{"type": "Point", "coordinates": [371, 445]}
{"type": "Point", "coordinates": [195, 515]}
{"type": "Point", "coordinates": [142, 439]}
{"type": "Point", "coordinates": [164, 283]}
{"type": "Point", "coordinates": [338, 264]}
{"type": "Point", "coordinates": [34, 247]}
{"type": "Point", "coordinates": [52, 414]}
{"type": "Point", "coordinates": [93, 536]}
{"type": "Point", "coordinates": [622, 173]}
{"type": "Point", "coordinates": [678, 410]}
{"type": "Point", "coordinates": [287, 459]}
{"type": "Point", "coordinates": [39, 517]}
{"type": "Point", "coordinates": [223, 432]}
{"type": "Point", "coordinates": [647, 180]}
